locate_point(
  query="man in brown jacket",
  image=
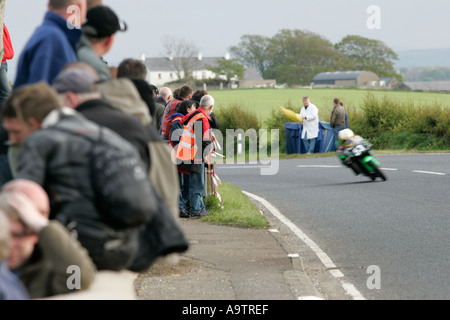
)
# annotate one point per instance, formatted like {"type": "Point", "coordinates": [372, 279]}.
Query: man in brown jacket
{"type": "Point", "coordinates": [43, 254]}
{"type": "Point", "coordinates": [337, 121]}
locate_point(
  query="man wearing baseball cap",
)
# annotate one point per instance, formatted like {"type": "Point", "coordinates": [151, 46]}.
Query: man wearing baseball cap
{"type": "Point", "coordinates": [99, 33]}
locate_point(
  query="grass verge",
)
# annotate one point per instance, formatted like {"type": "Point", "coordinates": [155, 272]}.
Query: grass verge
{"type": "Point", "coordinates": [237, 210]}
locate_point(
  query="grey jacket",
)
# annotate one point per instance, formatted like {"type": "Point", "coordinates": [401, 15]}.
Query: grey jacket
{"type": "Point", "coordinates": [86, 54]}
{"type": "Point", "coordinates": [59, 161]}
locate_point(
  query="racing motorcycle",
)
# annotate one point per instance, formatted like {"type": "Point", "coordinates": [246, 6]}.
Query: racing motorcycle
{"type": "Point", "coordinates": [361, 160]}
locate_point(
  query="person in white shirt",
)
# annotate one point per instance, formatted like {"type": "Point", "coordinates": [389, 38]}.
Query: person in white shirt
{"type": "Point", "coordinates": [310, 119]}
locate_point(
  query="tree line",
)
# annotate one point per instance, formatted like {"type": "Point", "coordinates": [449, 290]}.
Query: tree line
{"type": "Point", "coordinates": [426, 74]}
{"type": "Point", "coordinates": [295, 56]}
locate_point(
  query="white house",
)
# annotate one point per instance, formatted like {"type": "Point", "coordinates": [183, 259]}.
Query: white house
{"type": "Point", "coordinates": [162, 70]}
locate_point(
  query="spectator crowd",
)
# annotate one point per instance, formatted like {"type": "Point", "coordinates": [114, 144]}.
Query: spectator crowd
{"type": "Point", "coordinates": [96, 164]}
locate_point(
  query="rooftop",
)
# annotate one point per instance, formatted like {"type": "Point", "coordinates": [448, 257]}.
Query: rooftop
{"type": "Point", "coordinates": [338, 75]}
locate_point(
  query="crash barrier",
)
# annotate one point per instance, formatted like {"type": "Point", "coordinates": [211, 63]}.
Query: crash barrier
{"type": "Point", "coordinates": [324, 143]}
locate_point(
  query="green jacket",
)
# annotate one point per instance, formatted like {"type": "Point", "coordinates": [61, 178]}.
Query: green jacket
{"type": "Point", "coordinates": [46, 273]}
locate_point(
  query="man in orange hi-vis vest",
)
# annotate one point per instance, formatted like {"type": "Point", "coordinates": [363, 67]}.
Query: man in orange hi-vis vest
{"type": "Point", "coordinates": [193, 151]}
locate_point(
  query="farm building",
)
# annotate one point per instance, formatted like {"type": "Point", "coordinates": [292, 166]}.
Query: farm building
{"type": "Point", "coordinates": [163, 69]}
{"type": "Point", "coordinates": [346, 79]}
{"type": "Point", "coordinates": [253, 79]}
{"type": "Point", "coordinates": [390, 83]}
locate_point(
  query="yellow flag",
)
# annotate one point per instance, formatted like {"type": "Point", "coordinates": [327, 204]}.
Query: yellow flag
{"type": "Point", "coordinates": [292, 115]}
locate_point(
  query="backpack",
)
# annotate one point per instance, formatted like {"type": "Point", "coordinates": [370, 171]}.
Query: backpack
{"type": "Point", "coordinates": [123, 193]}
{"type": "Point", "coordinates": [120, 182]}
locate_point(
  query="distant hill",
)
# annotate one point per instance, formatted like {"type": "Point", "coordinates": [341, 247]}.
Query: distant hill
{"type": "Point", "coordinates": [423, 58]}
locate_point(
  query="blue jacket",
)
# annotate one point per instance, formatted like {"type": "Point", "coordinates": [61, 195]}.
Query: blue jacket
{"type": "Point", "coordinates": [11, 288]}
{"type": "Point", "coordinates": [50, 48]}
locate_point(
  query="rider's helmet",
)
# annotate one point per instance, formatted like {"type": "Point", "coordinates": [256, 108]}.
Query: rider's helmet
{"type": "Point", "coordinates": [345, 134]}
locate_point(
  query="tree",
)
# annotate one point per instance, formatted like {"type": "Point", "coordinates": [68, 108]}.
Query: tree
{"type": "Point", "coordinates": [252, 51]}
{"type": "Point", "coordinates": [296, 56]}
{"type": "Point", "coordinates": [182, 52]}
{"type": "Point", "coordinates": [228, 68]}
{"type": "Point", "coordinates": [369, 55]}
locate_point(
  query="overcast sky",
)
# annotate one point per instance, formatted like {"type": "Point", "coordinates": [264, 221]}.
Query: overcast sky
{"type": "Point", "coordinates": [214, 26]}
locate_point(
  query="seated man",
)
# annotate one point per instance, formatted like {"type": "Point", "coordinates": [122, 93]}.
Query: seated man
{"type": "Point", "coordinates": [43, 253]}
{"type": "Point", "coordinates": [11, 288]}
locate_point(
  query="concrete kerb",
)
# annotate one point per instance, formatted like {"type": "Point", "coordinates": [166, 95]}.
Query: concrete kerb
{"type": "Point", "coordinates": [222, 274]}
{"type": "Point", "coordinates": [299, 281]}
{"type": "Point", "coordinates": [325, 285]}
{"type": "Point", "coordinates": [125, 285]}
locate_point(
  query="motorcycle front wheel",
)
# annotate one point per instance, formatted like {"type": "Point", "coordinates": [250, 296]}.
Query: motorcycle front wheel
{"type": "Point", "coordinates": [377, 172]}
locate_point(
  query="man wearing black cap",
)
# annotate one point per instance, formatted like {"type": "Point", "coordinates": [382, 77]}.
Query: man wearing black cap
{"type": "Point", "coordinates": [99, 33]}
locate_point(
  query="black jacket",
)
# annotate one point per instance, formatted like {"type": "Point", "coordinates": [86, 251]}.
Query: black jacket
{"type": "Point", "coordinates": [128, 127]}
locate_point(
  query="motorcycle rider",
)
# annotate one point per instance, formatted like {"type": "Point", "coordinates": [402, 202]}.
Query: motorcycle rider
{"type": "Point", "coordinates": [347, 140]}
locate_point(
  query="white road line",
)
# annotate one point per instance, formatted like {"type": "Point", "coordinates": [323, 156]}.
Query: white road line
{"type": "Point", "coordinates": [318, 166]}
{"type": "Point", "coordinates": [350, 289]}
{"type": "Point", "coordinates": [327, 262]}
{"type": "Point", "coordinates": [309, 298]}
{"type": "Point", "coordinates": [389, 169]}
{"type": "Point", "coordinates": [429, 172]}
{"type": "Point", "coordinates": [243, 167]}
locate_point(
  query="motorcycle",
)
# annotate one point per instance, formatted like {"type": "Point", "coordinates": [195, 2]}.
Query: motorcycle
{"type": "Point", "coordinates": [361, 160]}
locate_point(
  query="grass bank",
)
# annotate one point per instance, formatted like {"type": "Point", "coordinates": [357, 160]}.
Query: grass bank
{"type": "Point", "coordinates": [237, 210]}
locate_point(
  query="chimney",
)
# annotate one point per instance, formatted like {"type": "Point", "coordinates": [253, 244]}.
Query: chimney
{"type": "Point", "coordinates": [143, 57]}
{"type": "Point", "coordinates": [199, 56]}
{"type": "Point", "coordinates": [226, 56]}
{"type": "Point", "coordinates": [170, 56]}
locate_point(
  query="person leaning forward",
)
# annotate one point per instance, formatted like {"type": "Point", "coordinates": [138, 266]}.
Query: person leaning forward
{"type": "Point", "coordinates": [42, 250]}
{"type": "Point", "coordinates": [56, 156]}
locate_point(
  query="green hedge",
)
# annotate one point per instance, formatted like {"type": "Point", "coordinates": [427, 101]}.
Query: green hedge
{"type": "Point", "coordinates": [386, 122]}
{"type": "Point", "coordinates": [391, 124]}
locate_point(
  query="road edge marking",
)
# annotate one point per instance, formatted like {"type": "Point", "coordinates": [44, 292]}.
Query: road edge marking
{"type": "Point", "coordinates": [323, 257]}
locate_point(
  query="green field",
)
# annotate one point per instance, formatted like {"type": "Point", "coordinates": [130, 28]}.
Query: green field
{"type": "Point", "coordinates": [262, 101]}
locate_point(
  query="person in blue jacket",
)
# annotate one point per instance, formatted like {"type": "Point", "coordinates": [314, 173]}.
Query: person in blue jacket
{"type": "Point", "coordinates": [53, 44]}
{"type": "Point", "coordinates": [11, 288]}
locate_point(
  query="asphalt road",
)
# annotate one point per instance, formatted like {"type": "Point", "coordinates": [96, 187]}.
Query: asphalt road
{"type": "Point", "coordinates": [401, 226]}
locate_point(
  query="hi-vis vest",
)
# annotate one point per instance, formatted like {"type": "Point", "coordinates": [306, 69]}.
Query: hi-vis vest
{"type": "Point", "coordinates": [187, 147]}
